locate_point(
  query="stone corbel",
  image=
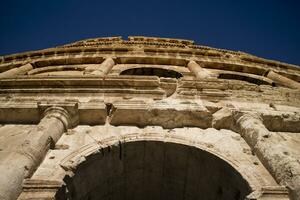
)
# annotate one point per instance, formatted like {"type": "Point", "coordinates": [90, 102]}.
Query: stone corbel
{"type": "Point", "coordinates": [103, 69]}
{"type": "Point", "coordinates": [16, 71]}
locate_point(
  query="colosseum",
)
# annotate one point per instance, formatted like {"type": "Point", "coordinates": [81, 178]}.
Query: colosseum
{"type": "Point", "coordinates": [148, 118]}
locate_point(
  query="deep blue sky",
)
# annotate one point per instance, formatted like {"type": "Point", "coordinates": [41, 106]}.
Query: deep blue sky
{"type": "Point", "coordinates": [266, 28]}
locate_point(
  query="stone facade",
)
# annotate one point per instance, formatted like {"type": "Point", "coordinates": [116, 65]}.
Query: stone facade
{"type": "Point", "coordinates": [148, 118]}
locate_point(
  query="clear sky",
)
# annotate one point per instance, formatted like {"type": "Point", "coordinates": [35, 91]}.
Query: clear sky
{"type": "Point", "coordinates": [266, 28]}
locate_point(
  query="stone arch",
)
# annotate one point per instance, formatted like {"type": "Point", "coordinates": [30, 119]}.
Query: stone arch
{"type": "Point", "coordinates": [58, 70]}
{"type": "Point", "coordinates": [246, 77]}
{"type": "Point", "coordinates": [238, 182]}
{"type": "Point", "coordinates": [152, 71]}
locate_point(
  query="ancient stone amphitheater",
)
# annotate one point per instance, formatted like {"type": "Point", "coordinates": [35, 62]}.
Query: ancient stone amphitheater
{"type": "Point", "coordinates": [148, 118]}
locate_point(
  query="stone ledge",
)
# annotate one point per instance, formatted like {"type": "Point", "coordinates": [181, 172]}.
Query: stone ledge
{"type": "Point", "coordinates": [31, 113]}
{"type": "Point", "coordinates": [168, 113]}
{"type": "Point", "coordinates": [161, 113]}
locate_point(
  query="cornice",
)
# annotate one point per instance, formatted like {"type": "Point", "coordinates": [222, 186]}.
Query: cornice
{"type": "Point", "coordinates": [159, 46]}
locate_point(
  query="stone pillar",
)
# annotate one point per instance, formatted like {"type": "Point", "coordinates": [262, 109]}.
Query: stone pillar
{"type": "Point", "coordinates": [264, 145]}
{"type": "Point", "coordinates": [101, 70]}
{"type": "Point", "coordinates": [16, 71]}
{"type": "Point", "coordinates": [198, 71]}
{"type": "Point", "coordinates": [277, 78]}
{"type": "Point", "coordinates": [27, 156]}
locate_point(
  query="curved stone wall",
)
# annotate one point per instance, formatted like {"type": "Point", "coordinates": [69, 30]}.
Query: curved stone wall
{"type": "Point", "coordinates": [220, 112]}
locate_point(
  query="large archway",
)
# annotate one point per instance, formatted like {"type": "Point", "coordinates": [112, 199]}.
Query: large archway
{"type": "Point", "coordinates": [154, 170]}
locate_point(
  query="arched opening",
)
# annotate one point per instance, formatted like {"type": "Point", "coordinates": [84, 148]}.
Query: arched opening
{"type": "Point", "coordinates": [152, 71]}
{"type": "Point", "coordinates": [244, 78]}
{"type": "Point", "coordinates": [154, 170]}
{"type": "Point", "coordinates": [65, 70]}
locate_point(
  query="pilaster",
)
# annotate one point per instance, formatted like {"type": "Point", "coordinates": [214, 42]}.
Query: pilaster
{"type": "Point", "coordinates": [282, 80]}
{"type": "Point", "coordinates": [16, 71]}
{"type": "Point", "coordinates": [263, 144]}
{"type": "Point", "coordinates": [103, 69]}
{"type": "Point", "coordinates": [198, 71]}
{"type": "Point", "coordinates": [30, 153]}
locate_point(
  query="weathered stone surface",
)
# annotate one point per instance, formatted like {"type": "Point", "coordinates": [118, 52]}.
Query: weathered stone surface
{"type": "Point", "coordinates": [283, 80]}
{"type": "Point", "coordinates": [269, 147]}
{"type": "Point", "coordinates": [87, 142]}
{"type": "Point", "coordinates": [29, 152]}
{"type": "Point", "coordinates": [148, 118]}
{"type": "Point", "coordinates": [16, 71]}
{"type": "Point", "coordinates": [198, 70]}
{"type": "Point", "coordinates": [168, 114]}
{"type": "Point", "coordinates": [102, 69]}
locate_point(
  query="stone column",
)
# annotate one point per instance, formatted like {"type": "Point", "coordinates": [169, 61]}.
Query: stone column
{"type": "Point", "coordinates": [27, 156]}
{"type": "Point", "coordinates": [16, 71]}
{"type": "Point", "coordinates": [277, 78]}
{"type": "Point", "coordinates": [198, 71]}
{"type": "Point", "coordinates": [101, 70]}
{"type": "Point", "coordinates": [285, 169]}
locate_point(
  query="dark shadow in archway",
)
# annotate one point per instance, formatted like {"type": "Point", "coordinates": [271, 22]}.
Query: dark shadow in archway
{"type": "Point", "coordinates": [244, 78]}
{"type": "Point", "coordinates": [151, 71]}
{"type": "Point", "coordinates": [149, 170]}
